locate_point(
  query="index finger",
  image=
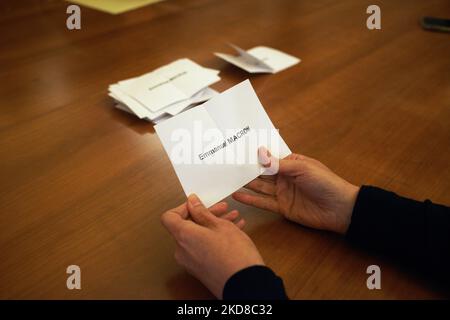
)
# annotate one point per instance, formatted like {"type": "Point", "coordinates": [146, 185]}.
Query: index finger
{"type": "Point", "coordinates": [173, 222]}
{"type": "Point", "coordinates": [182, 230]}
{"type": "Point", "coordinates": [181, 210]}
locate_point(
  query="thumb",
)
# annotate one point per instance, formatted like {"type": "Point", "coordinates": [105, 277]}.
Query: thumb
{"type": "Point", "coordinates": [290, 166]}
{"type": "Point", "coordinates": [199, 213]}
{"type": "Point", "coordinates": [268, 161]}
{"type": "Point", "coordinates": [173, 222]}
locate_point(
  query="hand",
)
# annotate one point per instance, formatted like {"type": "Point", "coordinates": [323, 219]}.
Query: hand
{"type": "Point", "coordinates": [210, 247]}
{"type": "Point", "coordinates": [304, 191]}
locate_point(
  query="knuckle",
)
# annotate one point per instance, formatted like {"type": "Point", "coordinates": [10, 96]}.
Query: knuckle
{"type": "Point", "coordinates": [183, 234]}
{"type": "Point", "coordinates": [226, 224]}
{"type": "Point", "coordinates": [164, 218]}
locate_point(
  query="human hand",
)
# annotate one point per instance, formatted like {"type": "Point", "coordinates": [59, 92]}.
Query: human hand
{"type": "Point", "coordinates": [304, 191]}
{"type": "Point", "coordinates": [211, 246]}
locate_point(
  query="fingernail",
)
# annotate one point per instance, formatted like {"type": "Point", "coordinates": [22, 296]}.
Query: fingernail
{"type": "Point", "coordinates": [264, 156]}
{"type": "Point", "coordinates": [194, 200]}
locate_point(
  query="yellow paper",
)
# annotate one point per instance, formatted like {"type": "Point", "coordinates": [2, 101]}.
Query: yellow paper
{"type": "Point", "coordinates": [114, 6]}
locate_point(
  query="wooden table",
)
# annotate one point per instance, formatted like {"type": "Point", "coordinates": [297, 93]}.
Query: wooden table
{"type": "Point", "coordinates": [83, 183]}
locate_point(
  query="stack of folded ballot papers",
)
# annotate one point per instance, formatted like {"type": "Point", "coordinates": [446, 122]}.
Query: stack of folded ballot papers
{"type": "Point", "coordinates": [166, 91]}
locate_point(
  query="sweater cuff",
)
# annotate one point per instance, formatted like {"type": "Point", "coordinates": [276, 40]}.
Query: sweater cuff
{"type": "Point", "coordinates": [254, 283]}
{"type": "Point", "coordinates": [385, 222]}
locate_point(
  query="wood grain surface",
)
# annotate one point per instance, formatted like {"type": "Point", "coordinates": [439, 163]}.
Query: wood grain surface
{"type": "Point", "coordinates": [82, 183]}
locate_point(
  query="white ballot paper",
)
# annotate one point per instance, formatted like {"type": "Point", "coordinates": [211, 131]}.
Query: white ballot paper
{"type": "Point", "coordinates": [170, 110]}
{"type": "Point", "coordinates": [172, 83]}
{"type": "Point", "coordinates": [260, 59]}
{"type": "Point", "coordinates": [214, 147]}
{"type": "Point", "coordinates": [165, 91]}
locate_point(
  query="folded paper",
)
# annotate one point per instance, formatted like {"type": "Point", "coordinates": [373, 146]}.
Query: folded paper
{"type": "Point", "coordinates": [260, 59]}
{"type": "Point", "coordinates": [165, 91]}
{"type": "Point", "coordinates": [213, 147]}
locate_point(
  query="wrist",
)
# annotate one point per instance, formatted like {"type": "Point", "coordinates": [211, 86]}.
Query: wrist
{"type": "Point", "coordinates": [345, 216]}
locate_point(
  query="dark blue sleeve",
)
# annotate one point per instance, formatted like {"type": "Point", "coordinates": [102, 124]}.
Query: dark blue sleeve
{"type": "Point", "coordinates": [416, 233]}
{"type": "Point", "coordinates": [254, 283]}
